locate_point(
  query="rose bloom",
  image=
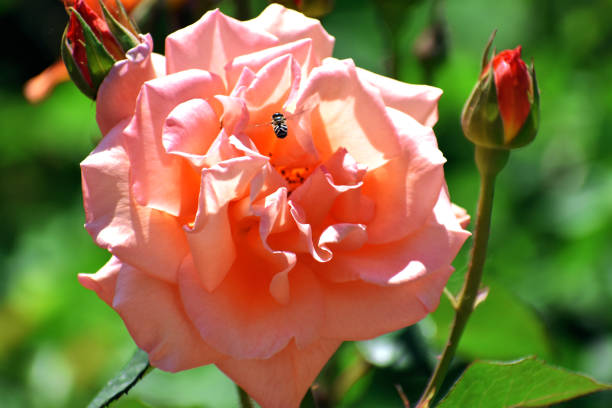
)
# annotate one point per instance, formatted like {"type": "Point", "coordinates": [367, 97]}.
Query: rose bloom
{"type": "Point", "coordinates": [259, 254]}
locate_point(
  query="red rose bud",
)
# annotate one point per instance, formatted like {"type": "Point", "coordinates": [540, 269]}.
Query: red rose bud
{"type": "Point", "coordinates": [93, 43]}
{"type": "Point", "coordinates": [503, 110]}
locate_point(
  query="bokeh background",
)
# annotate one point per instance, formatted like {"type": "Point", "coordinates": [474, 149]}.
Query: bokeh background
{"type": "Point", "coordinates": [549, 269]}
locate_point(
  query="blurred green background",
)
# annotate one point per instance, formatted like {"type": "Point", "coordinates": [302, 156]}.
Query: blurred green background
{"type": "Point", "coordinates": [549, 268]}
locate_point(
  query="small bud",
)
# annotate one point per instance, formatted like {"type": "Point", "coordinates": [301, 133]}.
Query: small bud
{"type": "Point", "coordinates": [93, 43]}
{"type": "Point", "coordinates": [503, 110]}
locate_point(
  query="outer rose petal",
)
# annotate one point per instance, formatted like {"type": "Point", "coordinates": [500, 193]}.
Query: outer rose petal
{"type": "Point", "coordinates": [241, 318]}
{"type": "Point", "coordinates": [103, 282]}
{"type": "Point", "coordinates": [154, 316]}
{"type": "Point", "coordinates": [462, 216]}
{"type": "Point", "coordinates": [418, 101]}
{"type": "Point", "coordinates": [117, 94]}
{"type": "Point", "coordinates": [281, 380]}
{"type": "Point", "coordinates": [289, 25]}
{"type": "Point", "coordinates": [359, 310]}
{"type": "Point", "coordinates": [149, 239]}
{"type": "Point", "coordinates": [213, 41]}
{"type": "Point", "coordinates": [409, 295]}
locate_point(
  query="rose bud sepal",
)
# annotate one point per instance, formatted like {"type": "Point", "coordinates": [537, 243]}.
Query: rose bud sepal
{"type": "Point", "coordinates": [124, 31]}
{"type": "Point", "coordinates": [73, 70]}
{"type": "Point", "coordinates": [481, 121]}
{"type": "Point", "coordinates": [99, 61]}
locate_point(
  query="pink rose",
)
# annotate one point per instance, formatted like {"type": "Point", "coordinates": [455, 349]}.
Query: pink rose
{"type": "Point", "coordinates": [259, 254]}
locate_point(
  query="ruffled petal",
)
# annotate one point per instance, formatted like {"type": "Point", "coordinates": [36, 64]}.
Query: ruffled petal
{"type": "Point", "coordinates": [348, 113]}
{"type": "Point", "coordinates": [149, 239]}
{"type": "Point", "coordinates": [289, 25]}
{"type": "Point", "coordinates": [241, 318]}
{"type": "Point", "coordinates": [212, 41]}
{"type": "Point", "coordinates": [210, 237]}
{"type": "Point", "coordinates": [405, 188]}
{"type": "Point", "coordinates": [343, 237]}
{"type": "Point", "coordinates": [273, 84]}
{"type": "Point", "coordinates": [149, 160]}
{"type": "Point", "coordinates": [418, 101]}
{"type": "Point", "coordinates": [282, 380]}
{"type": "Point", "coordinates": [153, 314]}
{"type": "Point", "coordinates": [117, 94]}
{"type": "Point", "coordinates": [300, 50]}
{"type": "Point", "coordinates": [190, 130]}
{"type": "Point", "coordinates": [429, 249]}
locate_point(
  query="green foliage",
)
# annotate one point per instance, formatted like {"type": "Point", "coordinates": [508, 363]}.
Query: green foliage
{"type": "Point", "coordinates": [525, 383]}
{"type": "Point", "coordinates": [501, 328]}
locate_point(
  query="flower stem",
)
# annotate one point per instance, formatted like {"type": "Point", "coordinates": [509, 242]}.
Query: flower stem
{"type": "Point", "coordinates": [245, 400]}
{"type": "Point", "coordinates": [489, 163]}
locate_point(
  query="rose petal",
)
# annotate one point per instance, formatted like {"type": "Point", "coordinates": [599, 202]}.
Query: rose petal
{"type": "Point", "coordinates": [273, 215]}
{"type": "Point", "coordinates": [418, 101]}
{"type": "Point", "coordinates": [436, 244]}
{"type": "Point", "coordinates": [210, 238]}
{"type": "Point", "coordinates": [273, 84]}
{"type": "Point", "coordinates": [211, 42]}
{"type": "Point", "coordinates": [240, 317]}
{"type": "Point", "coordinates": [339, 174]}
{"type": "Point", "coordinates": [117, 94]}
{"type": "Point", "coordinates": [359, 310]}
{"type": "Point", "coordinates": [118, 223]}
{"type": "Point", "coordinates": [289, 25]}
{"type": "Point", "coordinates": [104, 281]}
{"type": "Point", "coordinates": [282, 380]}
{"type": "Point", "coordinates": [462, 215]}
{"type": "Point", "coordinates": [348, 113]}
{"type": "Point", "coordinates": [300, 50]}
{"type": "Point", "coordinates": [190, 130]}
{"type": "Point", "coordinates": [153, 314]}
{"type": "Point", "coordinates": [351, 206]}
{"type": "Point", "coordinates": [406, 188]}
{"type": "Point", "coordinates": [150, 161]}
{"type": "Point", "coordinates": [343, 237]}
{"type": "Point", "coordinates": [235, 115]}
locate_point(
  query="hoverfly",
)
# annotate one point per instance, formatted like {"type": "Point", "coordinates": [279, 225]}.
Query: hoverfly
{"type": "Point", "coordinates": [279, 123]}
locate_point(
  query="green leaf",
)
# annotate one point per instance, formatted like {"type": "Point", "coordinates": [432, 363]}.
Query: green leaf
{"type": "Point", "coordinates": [529, 382]}
{"type": "Point", "coordinates": [129, 375]}
{"type": "Point", "coordinates": [501, 328]}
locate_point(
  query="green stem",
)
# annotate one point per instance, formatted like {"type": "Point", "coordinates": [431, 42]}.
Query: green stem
{"type": "Point", "coordinates": [489, 163]}
{"type": "Point", "coordinates": [245, 400]}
